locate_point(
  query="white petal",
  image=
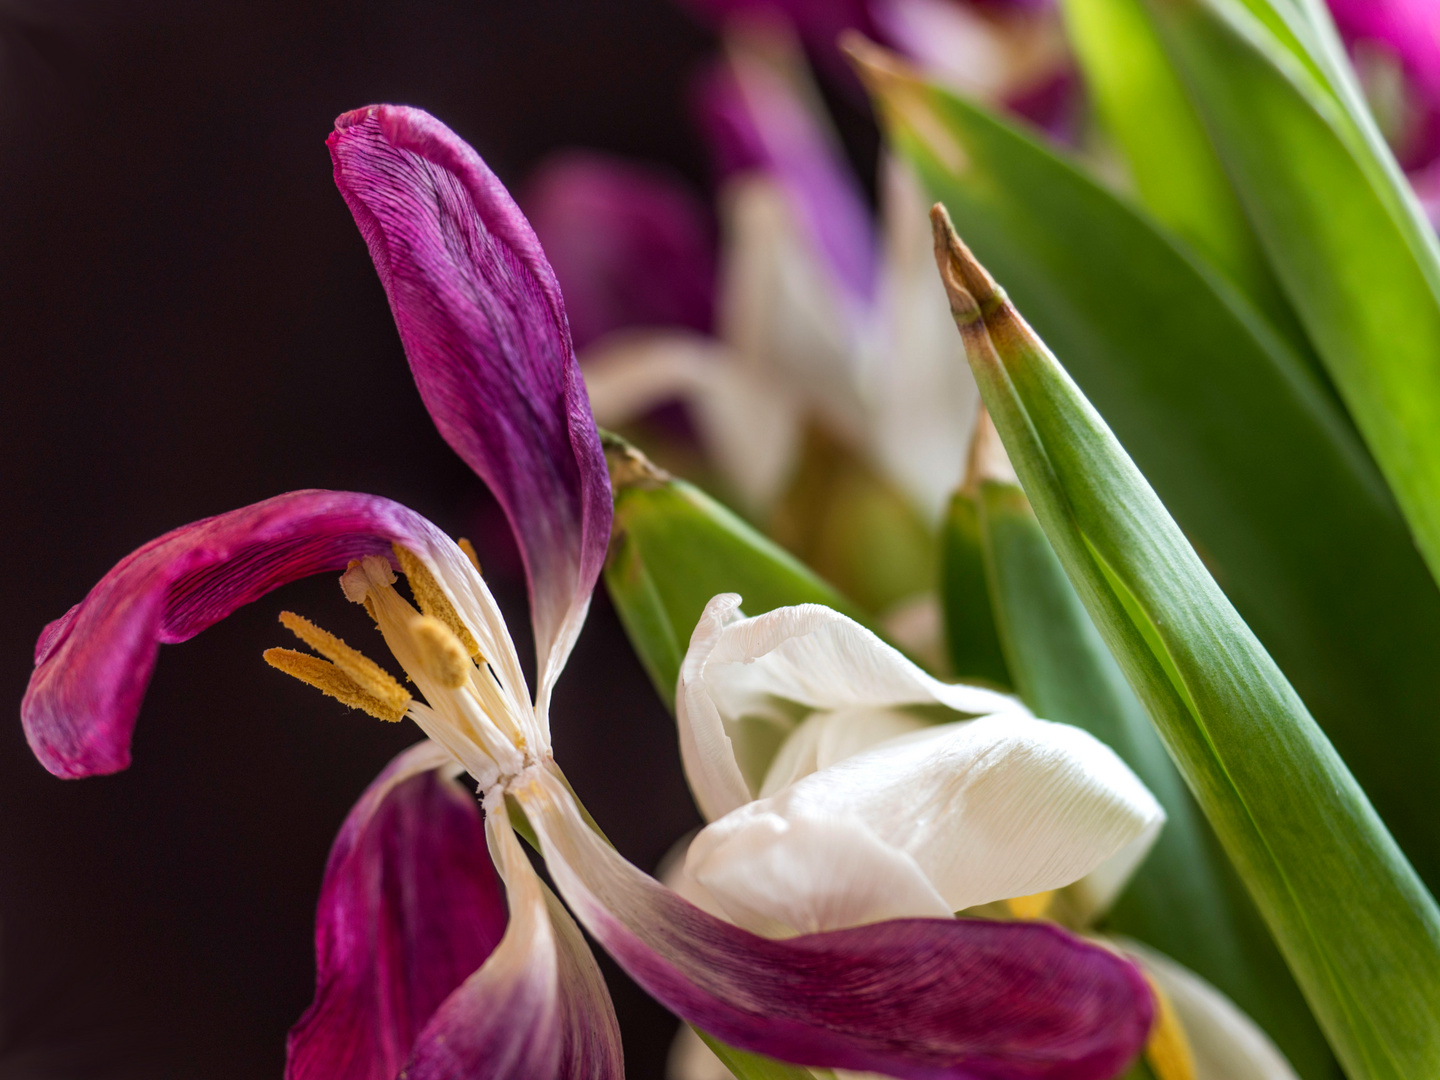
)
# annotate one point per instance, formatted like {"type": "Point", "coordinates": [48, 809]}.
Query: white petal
{"type": "Point", "coordinates": [1227, 1044]}
{"type": "Point", "coordinates": [1091, 896]}
{"type": "Point", "coordinates": [779, 876]}
{"type": "Point", "coordinates": [988, 809]}
{"type": "Point", "coordinates": [741, 674]}
{"type": "Point", "coordinates": [748, 421]}
{"type": "Point", "coordinates": [779, 307]}
{"type": "Point", "coordinates": [922, 397]}
{"type": "Point", "coordinates": [827, 737]}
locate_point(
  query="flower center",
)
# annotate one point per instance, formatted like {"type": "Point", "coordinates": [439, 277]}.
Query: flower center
{"type": "Point", "coordinates": [466, 708]}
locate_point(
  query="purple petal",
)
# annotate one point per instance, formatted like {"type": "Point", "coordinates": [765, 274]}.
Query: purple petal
{"type": "Point", "coordinates": [409, 908]}
{"type": "Point", "coordinates": [760, 114]}
{"type": "Point", "coordinates": [915, 998]}
{"type": "Point", "coordinates": [630, 245]}
{"type": "Point", "coordinates": [93, 663]}
{"type": "Point", "coordinates": [538, 1009]}
{"type": "Point", "coordinates": [484, 328]}
{"type": "Point", "coordinates": [1409, 30]}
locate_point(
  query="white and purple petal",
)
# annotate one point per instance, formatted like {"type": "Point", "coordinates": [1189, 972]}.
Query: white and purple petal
{"type": "Point", "coordinates": [761, 113]}
{"type": "Point", "coordinates": [630, 245]}
{"type": "Point", "coordinates": [92, 665]}
{"type": "Point", "coordinates": [538, 1008]}
{"type": "Point", "coordinates": [484, 327]}
{"type": "Point", "coordinates": [409, 908]}
{"type": "Point", "coordinates": [938, 999]}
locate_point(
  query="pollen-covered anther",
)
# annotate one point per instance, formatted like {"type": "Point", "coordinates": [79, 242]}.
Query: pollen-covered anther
{"type": "Point", "coordinates": [432, 598]}
{"type": "Point", "coordinates": [329, 679]}
{"type": "Point", "coordinates": [1034, 906]}
{"type": "Point", "coordinates": [469, 549]}
{"type": "Point", "coordinates": [364, 672]}
{"type": "Point", "coordinates": [444, 657]}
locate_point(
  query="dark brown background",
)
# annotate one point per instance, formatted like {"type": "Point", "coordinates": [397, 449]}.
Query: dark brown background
{"type": "Point", "coordinates": [189, 322]}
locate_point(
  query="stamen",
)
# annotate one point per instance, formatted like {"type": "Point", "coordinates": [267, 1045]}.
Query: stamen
{"type": "Point", "coordinates": [444, 657]}
{"type": "Point", "coordinates": [1167, 1051]}
{"type": "Point", "coordinates": [329, 679]}
{"type": "Point", "coordinates": [432, 599]}
{"type": "Point", "coordinates": [469, 550]}
{"type": "Point", "coordinates": [364, 672]}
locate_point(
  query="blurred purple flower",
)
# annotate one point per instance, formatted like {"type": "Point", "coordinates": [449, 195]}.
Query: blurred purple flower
{"type": "Point", "coordinates": [409, 907]}
{"type": "Point", "coordinates": [630, 245]}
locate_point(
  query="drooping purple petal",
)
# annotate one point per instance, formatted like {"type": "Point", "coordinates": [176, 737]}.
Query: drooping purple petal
{"type": "Point", "coordinates": [631, 245]}
{"type": "Point", "coordinates": [538, 1009]}
{"type": "Point", "coordinates": [916, 998]}
{"type": "Point", "coordinates": [93, 663]}
{"type": "Point", "coordinates": [410, 907]}
{"type": "Point", "coordinates": [760, 114]}
{"type": "Point", "coordinates": [484, 328]}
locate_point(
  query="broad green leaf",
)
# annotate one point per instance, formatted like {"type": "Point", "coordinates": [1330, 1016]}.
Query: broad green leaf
{"type": "Point", "coordinates": [1355, 924]}
{"type": "Point", "coordinates": [1250, 453]}
{"type": "Point", "coordinates": [1345, 236]}
{"type": "Point", "coordinates": [1184, 900]}
{"type": "Point", "coordinates": [673, 548]}
{"type": "Point", "coordinates": [747, 1066]}
{"type": "Point", "coordinates": [1177, 174]}
{"type": "Point", "coordinates": [971, 638]}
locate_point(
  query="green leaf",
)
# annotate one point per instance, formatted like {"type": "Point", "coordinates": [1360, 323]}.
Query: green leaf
{"type": "Point", "coordinates": [1185, 899]}
{"type": "Point", "coordinates": [971, 637]}
{"type": "Point", "coordinates": [747, 1066]}
{"type": "Point", "coordinates": [1345, 235]}
{"type": "Point", "coordinates": [1176, 171]}
{"type": "Point", "coordinates": [1250, 453]}
{"type": "Point", "coordinates": [1355, 924]}
{"type": "Point", "coordinates": [673, 548]}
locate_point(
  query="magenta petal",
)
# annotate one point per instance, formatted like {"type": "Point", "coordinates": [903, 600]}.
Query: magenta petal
{"type": "Point", "coordinates": [760, 115]}
{"type": "Point", "coordinates": [409, 908]}
{"type": "Point", "coordinates": [483, 325]}
{"type": "Point", "coordinates": [538, 1009]}
{"type": "Point", "coordinates": [93, 663]}
{"type": "Point", "coordinates": [631, 245]}
{"type": "Point", "coordinates": [917, 998]}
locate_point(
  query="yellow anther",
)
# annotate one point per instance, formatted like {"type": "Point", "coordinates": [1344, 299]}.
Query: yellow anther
{"type": "Point", "coordinates": [1031, 907]}
{"type": "Point", "coordinates": [432, 599]}
{"type": "Point", "coordinates": [1167, 1051]}
{"type": "Point", "coordinates": [445, 659]}
{"type": "Point", "coordinates": [469, 550]}
{"type": "Point", "coordinates": [329, 679]}
{"type": "Point", "coordinates": [364, 672]}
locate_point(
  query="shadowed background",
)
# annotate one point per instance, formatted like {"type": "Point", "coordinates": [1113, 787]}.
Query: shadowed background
{"type": "Point", "coordinates": [190, 322]}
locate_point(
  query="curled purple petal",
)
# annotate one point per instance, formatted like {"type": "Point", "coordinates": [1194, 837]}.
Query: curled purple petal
{"type": "Point", "coordinates": [1409, 31]}
{"type": "Point", "coordinates": [484, 328]}
{"type": "Point", "coordinates": [760, 114]}
{"type": "Point", "coordinates": [538, 1009]}
{"type": "Point", "coordinates": [92, 665]}
{"type": "Point", "coordinates": [409, 908]}
{"type": "Point", "coordinates": [915, 998]}
{"type": "Point", "coordinates": [630, 245]}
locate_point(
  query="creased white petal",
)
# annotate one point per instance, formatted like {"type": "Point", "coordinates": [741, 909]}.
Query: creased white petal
{"type": "Point", "coordinates": [1227, 1044]}
{"type": "Point", "coordinates": [744, 675]}
{"type": "Point", "coordinates": [779, 876]}
{"type": "Point", "coordinates": [987, 809]}
{"type": "Point", "coordinates": [819, 659]}
{"type": "Point", "coordinates": [1090, 897]}
{"type": "Point", "coordinates": [824, 738]}
{"type": "Point", "coordinates": [748, 420]}
{"type": "Point", "coordinates": [706, 749]}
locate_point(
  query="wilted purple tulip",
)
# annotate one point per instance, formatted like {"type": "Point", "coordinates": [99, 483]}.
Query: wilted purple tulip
{"type": "Point", "coordinates": [420, 971]}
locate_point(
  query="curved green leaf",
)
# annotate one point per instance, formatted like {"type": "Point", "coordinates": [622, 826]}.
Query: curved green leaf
{"type": "Point", "coordinates": [971, 638]}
